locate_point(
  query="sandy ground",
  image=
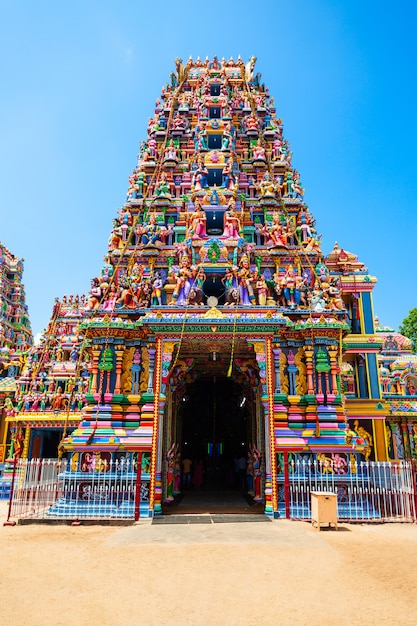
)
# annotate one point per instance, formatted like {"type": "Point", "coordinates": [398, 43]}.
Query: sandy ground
{"type": "Point", "coordinates": [279, 572]}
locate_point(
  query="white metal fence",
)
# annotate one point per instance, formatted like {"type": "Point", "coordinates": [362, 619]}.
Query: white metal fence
{"type": "Point", "coordinates": [49, 489]}
{"type": "Point", "coordinates": [365, 491]}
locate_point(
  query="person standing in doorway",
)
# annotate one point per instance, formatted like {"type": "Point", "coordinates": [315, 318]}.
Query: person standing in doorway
{"type": "Point", "coordinates": [186, 472]}
{"type": "Point", "coordinates": [242, 472]}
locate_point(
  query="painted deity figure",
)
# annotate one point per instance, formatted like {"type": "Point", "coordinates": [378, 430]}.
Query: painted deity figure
{"type": "Point", "coordinates": [367, 437]}
{"type": "Point", "coordinates": [276, 148]}
{"type": "Point", "coordinates": [199, 180]}
{"type": "Point", "coordinates": [231, 285]}
{"type": "Point", "coordinates": [200, 137]}
{"type": "Point", "coordinates": [198, 278]}
{"type": "Point", "coordinates": [262, 291]}
{"type": "Point", "coordinates": [257, 473]}
{"type": "Point", "coordinates": [232, 223]}
{"type": "Point", "coordinates": [252, 123]}
{"type": "Point", "coordinates": [157, 285]}
{"type": "Point", "coordinates": [227, 139]}
{"type": "Point", "coordinates": [317, 301]}
{"type": "Point", "coordinates": [93, 301]}
{"type": "Point", "coordinates": [268, 187]}
{"type": "Point", "coordinates": [274, 234]}
{"type": "Point", "coordinates": [170, 153]}
{"type": "Point", "coordinates": [291, 284]}
{"type": "Point", "coordinates": [183, 285]}
{"type": "Point", "coordinates": [258, 152]}
{"type": "Point", "coordinates": [334, 295]}
{"type": "Point", "coordinates": [196, 222]}
{"type": "Point", "coordinates": [170, 475]}
{"type": "Point", "coordinates": [228, 178]}
{"type": "Point", "coordinates": [245, 277]}
{"type": "Point", "coordinates": [162, 188]}
{"type": "Point", "coordinates": [150, 233]}
{"type": "Point", "coordinates": [303, 228]}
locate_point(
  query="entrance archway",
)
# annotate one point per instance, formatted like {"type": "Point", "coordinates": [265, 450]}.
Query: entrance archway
{"type": "Point", "coordinates": [216, 427]}
{"type": "Point", "coordinates": [212, 424]}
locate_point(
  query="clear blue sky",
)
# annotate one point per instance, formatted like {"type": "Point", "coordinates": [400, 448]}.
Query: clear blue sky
{"type": "Point", "coordinates": [79, 81]}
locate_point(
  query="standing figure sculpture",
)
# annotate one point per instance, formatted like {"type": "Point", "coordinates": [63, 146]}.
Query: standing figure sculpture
{"type": "Point", "coordinates": [232, 223]}
{"type": "Point", "coordinates": [171, 459]}
{"type": "Point", "coordinates": [246, 277]}
{"type": "Point", "coordinates": [291, 284]}
{"type": "Point", "coordinates": [196, 223]}
{"type": "Point", "coordinates": [199, 180]}
{"type": "Point", "coordinates": [183, 283]}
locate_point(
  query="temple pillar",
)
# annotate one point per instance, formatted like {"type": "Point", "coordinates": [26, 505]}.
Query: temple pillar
{"type": "Point", "coordinates": [26, 441]}
{"type": "Point", "coordinates": [94, 371]}
{"type": "Point", "coordinates": [380, 441]}
{"type": "Point", "coordinates": [332, 352]}
{"type": "Point", "coordinates": [155, 365]}
{"type": "Point", "coordinates": [309, 353]}
{"type": "Point", "coordinates": [277, 353]}
{"type": "Point", "coordinates": [265, 359]}
{"type": "Point", "coordinates": [151, 352]}
{"type": "Point", "coordinates": [407, 447]}
{"type": "Point", "coordinates": [119, 351]}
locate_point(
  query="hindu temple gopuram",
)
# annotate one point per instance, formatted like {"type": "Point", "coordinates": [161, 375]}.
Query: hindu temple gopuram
{"type": "Point", "coordinates": [215, 328]}
{"type": "Point", "coordinates": [15, 331]}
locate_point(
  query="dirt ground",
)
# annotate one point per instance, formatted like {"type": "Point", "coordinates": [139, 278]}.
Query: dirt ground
{"type": "Point", "coordinates": [277, 572]}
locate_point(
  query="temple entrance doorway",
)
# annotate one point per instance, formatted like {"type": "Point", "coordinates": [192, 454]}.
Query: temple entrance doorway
{"type": "Point", "coordinates": [212, 424]}
{"type": "Point", "coordinates": [215, 429]}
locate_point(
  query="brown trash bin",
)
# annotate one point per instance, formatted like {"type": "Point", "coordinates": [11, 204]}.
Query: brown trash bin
{"type": "Point", "coordinates": [323, 508]}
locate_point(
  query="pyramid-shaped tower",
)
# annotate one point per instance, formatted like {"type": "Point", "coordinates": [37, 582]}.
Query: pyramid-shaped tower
{"type": "Point", "coordinates": [215, 325]}
{"type": "Point", "coordinates": [15, 334]}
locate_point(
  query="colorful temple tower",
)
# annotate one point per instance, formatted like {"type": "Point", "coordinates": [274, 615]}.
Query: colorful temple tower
{"type": "Point", "coordinates": [50, 391]}
{"type": "Point", "coordinates": [398, 376]}
{"type": "Point", "coordinates": [215, 328]}
{"type": "Point", "coordinates": [15, 333]}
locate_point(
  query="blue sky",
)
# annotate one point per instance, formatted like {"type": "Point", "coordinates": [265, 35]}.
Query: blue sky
{"type": "Point", "coordinates": [79, 82]}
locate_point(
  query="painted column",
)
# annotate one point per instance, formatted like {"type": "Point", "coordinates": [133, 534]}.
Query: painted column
{"type": "Point", "coordinates": [332, 352]}
{"type": "Point", "coordinates": [151, 352]}
{"type": "Point", "coordinates": [119, 356]}
{"type": "Point", "coordinates": [309, 353]}
{"type": "Point", "coordinates": [271, 437]}
{"type": "Point", "coordinates": [277, 353]}
{"type": "Point", "coordinates": [25, 452]}
{"type": "Point", "coordinates": [94, 368]}
{"type": "Point", "coordinates": [265, 360]}
{"type": "Point", "coordinates": [155, 364]}
{"type": "Point", "coordinates": [406, 440]}
{"type": "Point", "coordinates": [362, 377]}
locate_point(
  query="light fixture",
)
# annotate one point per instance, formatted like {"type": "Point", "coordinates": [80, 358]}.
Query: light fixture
{"type": "Point", "coordinates": [242, 402]}
{"type": "Point", "coordinates": [214, 355]}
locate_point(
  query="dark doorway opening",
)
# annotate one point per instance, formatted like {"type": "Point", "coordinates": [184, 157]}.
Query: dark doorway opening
{"type": "Point", "coordinates": [50, 442]}
{"type": "Point", "coordinates": [215, 429]}
{"type": "Point", "coordinates": [214, 222]}
{"type": "Point", "coordinates": [214, 142]}
{"type": "Point", "coordinates": [213, 286]}
{"type": "Point", "coordinates": [215, 177]}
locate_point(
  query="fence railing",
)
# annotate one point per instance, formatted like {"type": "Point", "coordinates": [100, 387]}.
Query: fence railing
{"type": "Point", "coordinates": [49, 489]}
{"type": "Point", "coordinates": [366, 491]}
